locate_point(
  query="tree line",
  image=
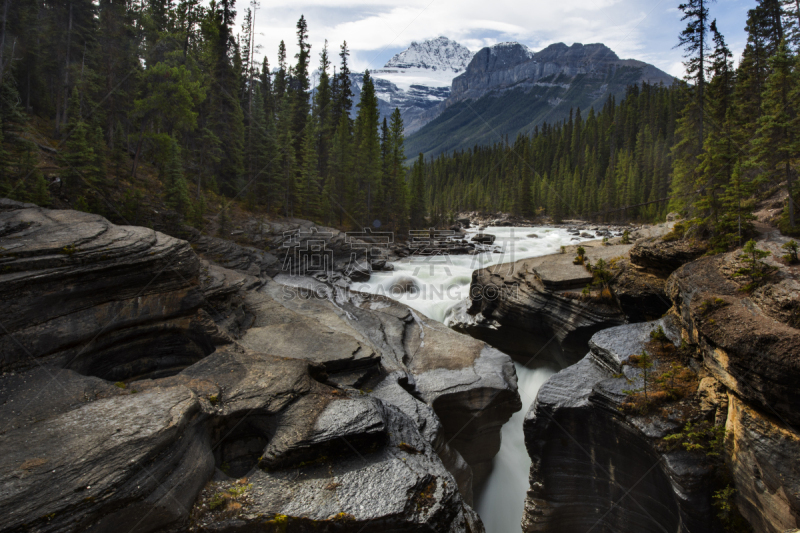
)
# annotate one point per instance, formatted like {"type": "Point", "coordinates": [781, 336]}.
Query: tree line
{"type": "Point", "coordinates": [173, 85]}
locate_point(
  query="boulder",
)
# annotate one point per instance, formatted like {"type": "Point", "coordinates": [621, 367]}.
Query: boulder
{"type": "Point", "coordinates": [483, 238]}
{"type": "Point", "coordinates": [358, 271]}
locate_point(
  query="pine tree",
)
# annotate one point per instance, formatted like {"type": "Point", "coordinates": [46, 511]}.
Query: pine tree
{"type": "Point", "coordinates": [735, 221]}
{"type": "Point", "coordinates": [323, 112]}
{"type": "Point", "coordinates": [78, 159]}
{"type": "Point", "coordinates": [341, 167]}
{"type": "Point", "coordinates": [417, 197]}
{"type": "Point", "coordinates": [300, 89]}
{"type": "Point", "coordinates": [368, 150]}
{"type": "Point", "coordinates": [396, 190]}
{"type": "Point", "coordinates": [720, 151]}
{"type": "Point", "coordinates": [176, 191]}
{"type": "Point", "coordinates": [778, 136]}
{"type": "Point", "coordinates": [693, 41]}
{"type": "Point", "coordinates": [344, 93]}
{"type": "Point", "coordinates": [226, 116]}
{"type": "Point", "coordinates": [309, 188]}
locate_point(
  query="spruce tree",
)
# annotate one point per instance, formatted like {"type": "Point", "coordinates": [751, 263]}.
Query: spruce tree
{"type": "Point", "coordinates": [417, 196]}
{"type": "Point", "coordinates": [778, 136]}
{"type": "Point", "coordinates": [344, 93]}
{"type": "Point", "coordinates": [309, 188]}
{"type": "Point", "coordinates": [396, 191]}
{"type": "Point", "coordinates": [693, 40]}
{"type": "Point", "coordinates": [368, 166]}
{"type": "Point", "coordinates": [720, 151]}
{"type": "Point", "coordinates": [301, 88]}
{"type": "Point", "coordinates": [323, 112]}
{"type": "Point", "coordinates": [176, 191]}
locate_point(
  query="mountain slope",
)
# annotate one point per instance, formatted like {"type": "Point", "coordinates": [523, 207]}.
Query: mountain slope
{"type": "Point", "coordinates": [508, 89]}
{"type": "Point", "coordinates": [417, 79]}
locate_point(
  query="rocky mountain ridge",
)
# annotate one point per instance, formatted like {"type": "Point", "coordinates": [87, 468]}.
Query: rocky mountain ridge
{"type": "Point", "coordinates": [508, 89]}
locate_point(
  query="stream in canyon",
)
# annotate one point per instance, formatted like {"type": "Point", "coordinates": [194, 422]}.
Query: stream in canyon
{"type": "Point", "coordinates": [433, 285]}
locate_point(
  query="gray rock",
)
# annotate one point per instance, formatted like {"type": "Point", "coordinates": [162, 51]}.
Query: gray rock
{"type": "Point", "coordinates": [579, 485]}
{"type": "Point", "coordinates": [483, 238]}
{"type": "Point", "coordinates": [195, 413]}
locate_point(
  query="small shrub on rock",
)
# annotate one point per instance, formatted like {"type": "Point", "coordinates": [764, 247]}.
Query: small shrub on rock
{"type": "Point", "coordinates": [791, 248]}
{"type": "Point", "coordinates": [754, 267]}
{"type": "Point", "coordinates": [581, 257]}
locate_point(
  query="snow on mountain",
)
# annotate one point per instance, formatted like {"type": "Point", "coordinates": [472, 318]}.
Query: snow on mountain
{"type": "Point", "coordinates": [434, 54]}
{"type": "Point", "coordinates": [419, 78]}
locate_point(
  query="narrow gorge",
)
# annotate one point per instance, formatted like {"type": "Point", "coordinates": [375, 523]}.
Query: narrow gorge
{"type": "Point", "coordinates": [210, 387]}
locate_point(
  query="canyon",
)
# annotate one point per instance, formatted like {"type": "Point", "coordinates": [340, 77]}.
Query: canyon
{"type": "Point", "coordinates": [206, 385]}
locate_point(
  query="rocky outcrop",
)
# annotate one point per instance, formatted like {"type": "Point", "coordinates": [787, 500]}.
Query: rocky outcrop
{"type": "Point", "coordinates": [470, 386]}
{"type": "Point", "coordinates": [144, 386]}
{"type": "Point", "coordinates": [753, 350]}
{"type": "Point", "coordinates": [663, 258]}
{"type": "Point", "coordinates": [534, 308]}
{"type": "Point", "coordinates": [597, 468]}
{"type": "Point", "coordinates": [78, 292]}
{"type": "Point", "coordinates": [598, 465]}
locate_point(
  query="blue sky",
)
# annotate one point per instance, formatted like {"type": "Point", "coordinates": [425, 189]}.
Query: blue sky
{"type": "Point", "coordinates": [377, 29]}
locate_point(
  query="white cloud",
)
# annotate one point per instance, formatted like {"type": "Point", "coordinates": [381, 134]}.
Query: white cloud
{"type": "Point", "coordinates": [376, 29]}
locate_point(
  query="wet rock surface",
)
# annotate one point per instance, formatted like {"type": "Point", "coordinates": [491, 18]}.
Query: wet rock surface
{"type": "Point", "coordinates": [145, 386]}
{"type": "Point", "coordinates": [588, 454]}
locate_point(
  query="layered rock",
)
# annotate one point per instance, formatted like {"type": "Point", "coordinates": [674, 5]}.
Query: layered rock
{"type": "Point", "coordinates": [611, 470]}
{"type": "Point", "coordinates": [144, 386]}
{"type": "Point", "coordinates": [594, 467]}
{"type": "Point", "coordinates": [78, 292]}
{"type": "Point", "coordinates": [534, 308]}
{"type": "Point", "coordinates": [471, 387]}
{"type": "Point", "coordinates": [752, 348]}
{"type": "Point", "coordinates": [663, 258]}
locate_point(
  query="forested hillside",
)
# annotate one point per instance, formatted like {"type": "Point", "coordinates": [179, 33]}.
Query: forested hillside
{"type": "Point", "coordinates": [712, 146]}
{"type": "Point", "coordinates": [171, 86]}
{"type": "Point", "coordinates": [591, 163]}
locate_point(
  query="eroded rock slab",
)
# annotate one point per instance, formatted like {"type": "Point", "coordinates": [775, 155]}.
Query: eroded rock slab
{"type": "Point", "coordinates": [144, 386]}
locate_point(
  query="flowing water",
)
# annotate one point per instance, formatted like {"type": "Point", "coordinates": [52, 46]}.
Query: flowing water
{"type": "Point", "coordinates": [433, 286]}
{"type": "Point", "coordinates": [501, 500]}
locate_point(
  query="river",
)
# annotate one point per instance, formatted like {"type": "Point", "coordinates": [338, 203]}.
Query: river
{"type": "Point", "coordinates": [433, 286]}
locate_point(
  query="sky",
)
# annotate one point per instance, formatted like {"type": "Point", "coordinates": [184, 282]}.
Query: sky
{"type": "Point", "coordinates": [375, 30]}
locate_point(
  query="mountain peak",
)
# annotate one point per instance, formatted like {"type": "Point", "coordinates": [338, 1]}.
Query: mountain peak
{"type": "Point", "coordinates": [440, 53]}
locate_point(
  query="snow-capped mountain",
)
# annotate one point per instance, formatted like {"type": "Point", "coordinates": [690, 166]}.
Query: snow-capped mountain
{"type": "Point", "coordinates": [435, 54]}
{"type": "Point", "coordinates": [418, 78]}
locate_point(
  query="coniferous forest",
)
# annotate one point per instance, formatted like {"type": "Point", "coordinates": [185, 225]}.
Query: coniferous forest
{"type": "Point", "coordinates": [113, 91]}
{"type": "Point", "coordinates": [172, 86]}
